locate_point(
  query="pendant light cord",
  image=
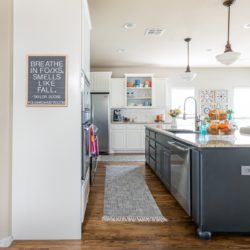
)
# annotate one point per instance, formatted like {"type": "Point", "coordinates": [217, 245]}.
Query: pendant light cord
{"type": "Point", "coordinates": [228, 24]}
{"type": "Point", "coordinates": [228, 45]}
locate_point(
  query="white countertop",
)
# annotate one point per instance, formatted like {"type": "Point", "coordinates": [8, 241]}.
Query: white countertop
{"type": "Point", "coordinates": [222, 141]}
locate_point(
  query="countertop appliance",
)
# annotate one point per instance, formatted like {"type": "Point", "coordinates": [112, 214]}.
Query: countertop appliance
{"type": "Point", "coordinates": [117, 117]}
{"type": "Point", "coordinates": [180, 174]}
{"type": "Point", "coordinates": [100, 117]}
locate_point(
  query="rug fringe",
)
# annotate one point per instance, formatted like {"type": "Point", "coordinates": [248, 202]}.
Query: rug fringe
{"type": "Point", "coordinates": [135, 219]}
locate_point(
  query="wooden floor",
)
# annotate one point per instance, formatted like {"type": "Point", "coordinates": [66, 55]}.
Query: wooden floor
{"type": "Point", "coordinates": [178, 232]}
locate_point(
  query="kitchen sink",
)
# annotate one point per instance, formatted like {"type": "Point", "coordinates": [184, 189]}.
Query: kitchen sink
{"type": "Point", "coordinates": [182, 131]}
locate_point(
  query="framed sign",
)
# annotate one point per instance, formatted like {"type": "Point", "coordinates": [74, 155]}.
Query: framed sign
{"type": "Point", "coordinates": [47, 80]}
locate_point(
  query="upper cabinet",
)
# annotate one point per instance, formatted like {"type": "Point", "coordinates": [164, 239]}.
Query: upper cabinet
{"type": "Point", "coordinates": [142, 90]}
{"type": "Point", "coordinates": [139, 90]}
{"type": "Point", "coordinates": [117, 90]}
{"type": "Point", "coordinates": [159, 92]}
{"type": "Point", "coordinates": [100, 81]}
{"type": "Point", "coordinates": [86, 29]}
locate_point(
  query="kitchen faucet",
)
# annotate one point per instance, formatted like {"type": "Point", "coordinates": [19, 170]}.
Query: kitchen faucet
{"type": "Point", "coordinates": [197, 119]}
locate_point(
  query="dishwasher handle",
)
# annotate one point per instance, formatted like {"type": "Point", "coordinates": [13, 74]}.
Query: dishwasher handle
{"type": "Point", "coordinates": [175, 145]}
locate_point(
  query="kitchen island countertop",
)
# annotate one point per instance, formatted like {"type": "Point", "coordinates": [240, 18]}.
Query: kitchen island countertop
{"type": "Point", "coordinates": [204, 141]}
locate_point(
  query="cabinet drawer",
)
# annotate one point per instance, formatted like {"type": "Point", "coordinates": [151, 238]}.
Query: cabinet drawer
{"type": "Point", "coordinates": [152, 152]}
{"type": "Point", "coordinates": [134, 127]}
{"type": "Point", "coordinates": [118, 127]}
{"type": "Point", "coordinates": [152, 143]}
{"type": "Point", "coordinates": [147, 132]}
{"type": "Point", "coordinates": [163, 139]}
{"type": "Point", "coordinates": [152, 134]}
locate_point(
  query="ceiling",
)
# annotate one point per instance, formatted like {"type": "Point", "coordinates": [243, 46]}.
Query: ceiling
{"type": "Point", "coordinates": [203, 20]}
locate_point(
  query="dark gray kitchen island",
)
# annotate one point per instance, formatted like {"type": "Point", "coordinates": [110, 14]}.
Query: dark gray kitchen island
{"type": "Point", "coordinates": [208, 175]}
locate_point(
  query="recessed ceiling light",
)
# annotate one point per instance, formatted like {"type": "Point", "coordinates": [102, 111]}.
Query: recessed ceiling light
{"type": "Point", "coordinates": [129, 26]}
{"type": "Point", "coordinates": [247, 26]}
{"type": "Point", "coordinates": [120, 51]}
{"type": "Point", "coordinates": [209, 50]}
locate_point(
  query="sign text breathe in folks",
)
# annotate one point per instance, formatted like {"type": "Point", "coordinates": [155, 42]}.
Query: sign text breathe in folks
{"type": "Point", "coordinates": [47, 81]}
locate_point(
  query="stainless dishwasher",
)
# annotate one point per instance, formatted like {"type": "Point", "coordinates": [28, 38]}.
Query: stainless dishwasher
{"type": "Point", "coordinates": [180, 174]}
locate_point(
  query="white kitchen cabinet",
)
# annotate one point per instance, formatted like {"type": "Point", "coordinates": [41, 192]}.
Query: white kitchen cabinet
{"type": "Point", "coordinates": [100, 81]}
{"type": "Point", "coordinates": [159, 92]}
{"type": "Point", "coordinates": [118, 139]}
{"type": "Point", "coordinates": [133, 140]}
{"type": "Point", "coordinates": [117, 92]}
{"type": "Point", "coordinates": [127, 138]}
{"type": "Point", "coordinates": [85, 193]}
{"type": "Point", "coordinates": [138, 90]}
{"type": "Point", "coordinates": [86, 28]}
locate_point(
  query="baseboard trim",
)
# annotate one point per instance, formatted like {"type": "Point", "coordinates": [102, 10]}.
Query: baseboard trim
{"type": "Point", "coordinates": [6, 242]}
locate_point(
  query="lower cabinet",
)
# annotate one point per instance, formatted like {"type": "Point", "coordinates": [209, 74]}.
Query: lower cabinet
{"type": "Point", "coordinates": [127, 137]}
{"type": "Point", "coordinates": [147, 149]}
{"type": "Point", "coordinates": [85, 193]}
{"type": "Point", "coordinates": [163, 156]}
{"type": "Point", "coordinates": [118, 139]}
{"type": "Point", "coordinates": [133, 139]}
{"type": "Point", "coordinates": [158, 156]}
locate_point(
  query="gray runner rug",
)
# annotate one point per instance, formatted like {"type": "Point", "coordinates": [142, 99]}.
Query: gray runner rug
{"type": "Point", "coordinates": [127, 196]}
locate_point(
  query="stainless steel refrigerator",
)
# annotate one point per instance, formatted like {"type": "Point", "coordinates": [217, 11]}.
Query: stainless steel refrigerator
{"type": "Point", "coordinates": [100, 117]}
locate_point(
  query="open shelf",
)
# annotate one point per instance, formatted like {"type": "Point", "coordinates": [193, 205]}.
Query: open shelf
{"type": "Point", "coordinates": [139, 90]}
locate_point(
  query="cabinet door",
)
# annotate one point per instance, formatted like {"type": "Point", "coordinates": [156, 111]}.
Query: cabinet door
{"type": "Point", "coordinates": [118, 140]}
{"type": "Point", "coordinates": [195, 185]}
{"type": "Point", "coordinates": [86, 27]}
{"type": "Point", "coordinates": [134, 140]}
{"type": "Point", "coordinates": [147, 149]}
{"type": "Point", "coordinates": [159, 92]}
{"type": "Point", "coordinates": [165, 167]}
{"type": "Point", "coordinates": [163, 164]}
{"type": "Point", "coordinates": [158, 149]}
{"type": "Point", "coordinates": [117, 92]}
{"type": "Point", "coordinates": [143, 137]}
{"type": "Point", "coordinates": [100, 81]}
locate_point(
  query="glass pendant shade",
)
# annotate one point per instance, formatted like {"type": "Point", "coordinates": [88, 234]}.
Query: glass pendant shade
{"type": "Point", "coordinates": [188, 76]}
{"type": "Point", "coordinates": [228, 58]}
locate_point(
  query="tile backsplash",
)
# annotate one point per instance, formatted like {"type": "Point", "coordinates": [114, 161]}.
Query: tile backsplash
{"type": "Point", "coordinates": [212, 99]}
{"type": "Point", "coordinates": [141, 115]}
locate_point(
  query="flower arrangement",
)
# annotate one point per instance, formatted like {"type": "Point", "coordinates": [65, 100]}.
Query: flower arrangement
{"type": "Point", "coordinates": [230, 111]}
{"type": "Point", "coordinates": [230, 114]}
{"type": "Point", "coordinates": [174, 112]}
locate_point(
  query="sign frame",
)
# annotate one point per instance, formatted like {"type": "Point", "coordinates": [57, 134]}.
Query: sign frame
{"type": "Point", "coordinates": [65, 104]}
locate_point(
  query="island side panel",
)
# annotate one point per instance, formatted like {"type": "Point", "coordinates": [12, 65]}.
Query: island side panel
{"type": "Point", "coordinates": [225, 191]}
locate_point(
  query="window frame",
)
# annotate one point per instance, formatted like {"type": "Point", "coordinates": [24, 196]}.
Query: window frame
{"type": "Point", "coordinates": [179, 88]}
{"type": "Point", "coordinates": [233, 101]}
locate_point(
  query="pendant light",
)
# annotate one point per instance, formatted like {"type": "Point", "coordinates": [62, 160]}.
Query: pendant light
{"type": "Point", "coordinates": [188, 75]}
{"type": "Point", "coordinates": [229, 56]}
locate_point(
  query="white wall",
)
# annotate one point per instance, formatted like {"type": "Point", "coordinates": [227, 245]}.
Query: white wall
{"type": "Point", "coordinates": [207, 78]}
{"type": "Point", "coordinates": [5, 120]}
{"type": "Point", "coordinates": [47, 140]}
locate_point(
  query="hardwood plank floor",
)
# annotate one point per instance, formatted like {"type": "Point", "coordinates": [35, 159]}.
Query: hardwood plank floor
{"type": "Point", "coordinates": [178, 232]}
